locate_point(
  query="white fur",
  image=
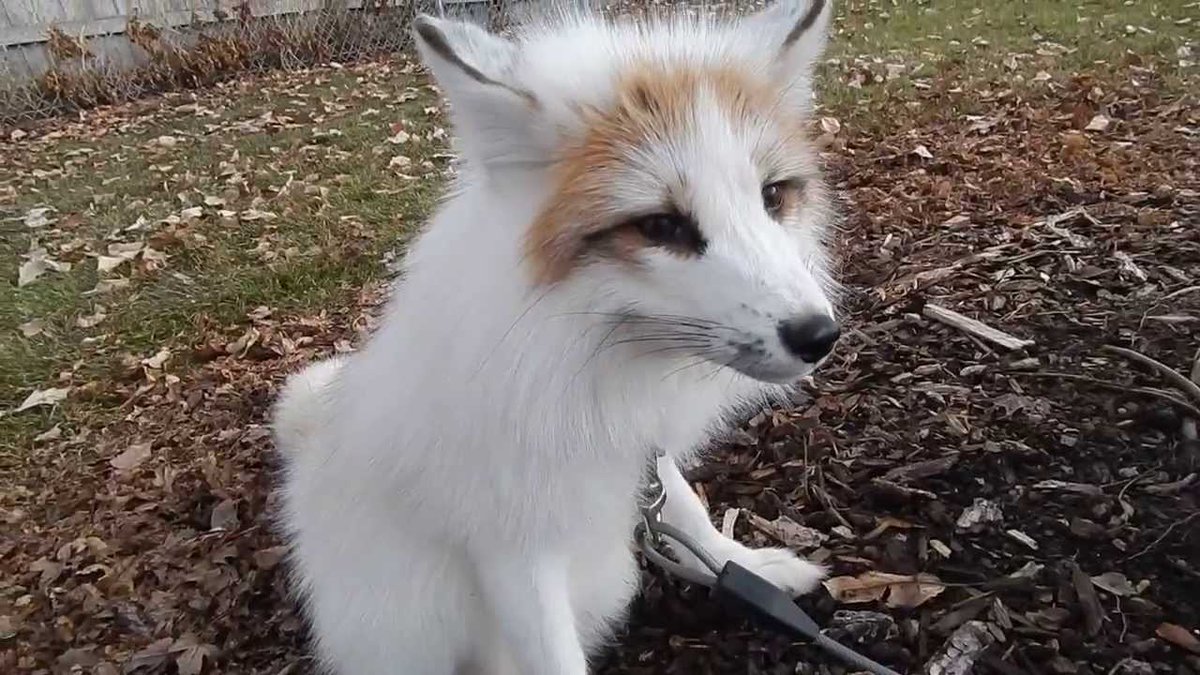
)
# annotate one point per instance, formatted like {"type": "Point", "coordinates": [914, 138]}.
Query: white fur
{"type": "Point", "coordinates": [461, 493]}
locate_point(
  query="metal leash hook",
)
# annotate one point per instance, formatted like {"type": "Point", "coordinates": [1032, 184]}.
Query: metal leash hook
{"type": "Point", "coordinates": [733, 584]}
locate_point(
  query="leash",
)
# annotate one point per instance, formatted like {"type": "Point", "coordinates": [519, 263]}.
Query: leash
{"type": "Point", "coordinates": [733, 584]}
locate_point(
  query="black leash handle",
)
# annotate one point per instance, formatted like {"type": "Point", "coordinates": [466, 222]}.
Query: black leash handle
{"type": "Point", "coordinates": [762, 600]}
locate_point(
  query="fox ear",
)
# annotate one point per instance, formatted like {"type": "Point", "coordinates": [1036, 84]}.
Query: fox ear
{"type": "Point", "coordinates": [795, 33]}
{"type": "Point", "coordinates": [475, 69]}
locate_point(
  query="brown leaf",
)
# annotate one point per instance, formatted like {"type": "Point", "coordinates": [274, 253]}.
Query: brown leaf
{"type": "Point", "coordinates": [156, 655]}
{"type": "Point", "coordinates": [852, 590]}
{"type": "Point", "coordinates": [131, 458]}
{"type": "Point", "coordinates": [1115, 583]}
{"type": "Point", "coordinates": [788, 532]}
{"type": "Point", "coordinates": [902, 590]}
{"type": "Point", "coordinates": [158, 360]}
{"type": "Point", "coordinates": [82, 658]}
{"type": "Point", "coordinates": [32, 328]}
{"type": "Point", "coordinates": [1178, 636]}
{"type": "Point", "coordinates": [921, 589]}
{"type": "Point", "coordinates": [52, 434]}
{"type": "Point", "coordinates": [1098, 123]}
{"type": "Point", "coordinates": [48, 569]}
{"type": "Point", "coordinates": [30, 270]}
{"type": "Point", "coordinates": [192, 660]}
{"type": "Point", "coordinates": [268, 558]}
{"type": "Point", "coordinates": [43, 397]}
{"type": "Point", "coordinates": [224, 516]}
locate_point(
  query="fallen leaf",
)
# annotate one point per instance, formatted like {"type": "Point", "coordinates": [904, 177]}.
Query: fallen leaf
{"type": "Point", "coordinates": [77, 658]}
{"type": "Point", "coordinates": [1098, 123]}
{"type": "Point", "coordinates": [1178, 636]}
{"type": "Point", "coordinates": [224, 516]}
{"type": "Point", "coordinates": [36, 217]}
{"type": "Point", "coordinates": [32, 328]}
{"type": "Point", "coordinates": [399, 162]}
{"type": "Point", "coordinates": [831, 125]}
{"type": "Point", "coordinates": [30, 270]}
{"type": "Point", "coordinates": [43, 397]}
{"type": "Point", "coordinates": [156, 655]}
{"type": "Point", "coordinates": [901, 590]}
{"type": "Point", "coordinates": [48, 569]}
{"type": "Point", "coordinates": [788, 531]}
{"type": "Point", "coordinates": [131, 458]}
{"type": "Point", "coordinates": [52, 434]}
{"type": "Point", "coordinates": [922, 152]}
{"type": "Point", "coordinates": [242, 345]}
{"type": "Point", "coordinates": [255, 214]}
{"type": "Point", "coordinates": [1115, 583]}
{"type": "Point", "coordinates": [158, 360]}
{"type": "Point", "coordinates": [106, 263]}
{"type": "Point", "coordinates": [191, 660]}
{"type": "Point", "coordinates": [852, 590]}
{"type": "Point", "coordinates": [109, 285]}
{"type": "Point", "coordinates": [268, 558]}
{"type": "Point", "coordinates": [915, 593]}
{"type": "Point", "coordinates": [92, 320]}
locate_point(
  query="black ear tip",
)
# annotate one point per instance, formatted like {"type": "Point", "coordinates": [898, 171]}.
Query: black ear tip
{"type": "Point", "coordinates": [426, 27]}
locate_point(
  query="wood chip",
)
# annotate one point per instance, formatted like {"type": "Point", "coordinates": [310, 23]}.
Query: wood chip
{"type": "Point", "coordinates": [1179, 636]}
{"type": "Point", "coordinates": [1023, 538]}
{"type": "Point", "coordinates": [1089, 602]}
{"type": "Point", "coordinates": [918, 470]}
{"type": "Point", "coordinates": [961, 650]}
{"type": "Point", "coordinates": [729, 521]}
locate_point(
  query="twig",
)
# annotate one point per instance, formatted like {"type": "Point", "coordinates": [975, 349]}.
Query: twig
{"type": "Point", "coordinates": [1158, 303]}
{"type": "Point", "coordinates": [1179, 292]}
{"type": "Point", "coordinates": [1188, 431]}
{"type": "Point", "coordinates": [1166, 534]}
{"type": "Point", "coordinates": [827, 500]}
{"type": "Point", "coordinates": [1188, 387]}
{"type": "Point", "coordinates": [1145, 391]}
{"type": "Point", "coordinates": [973, 327]}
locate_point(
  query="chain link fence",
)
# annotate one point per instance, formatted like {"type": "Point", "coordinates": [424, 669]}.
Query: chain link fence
{"type": "Point", "coordinates": [52, 62]}
{"type": "Point", "coordinates": [62, 56]}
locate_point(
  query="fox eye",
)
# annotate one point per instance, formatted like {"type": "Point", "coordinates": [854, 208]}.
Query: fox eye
{"type": "Point", "coordinates": [775, 196]}
{"type": "Point", "coordinates": [671, 230]}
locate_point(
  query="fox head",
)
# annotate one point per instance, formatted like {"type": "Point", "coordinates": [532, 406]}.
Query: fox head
{"type": "Point", "coordinates": [675, 185]}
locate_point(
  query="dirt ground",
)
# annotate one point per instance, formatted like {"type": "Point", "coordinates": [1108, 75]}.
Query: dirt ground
{"type": "Point", "coordinates": [1047, 494]}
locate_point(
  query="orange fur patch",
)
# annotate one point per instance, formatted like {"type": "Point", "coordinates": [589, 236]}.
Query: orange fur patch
{"type": "Point", "coordinates": [653, 103]}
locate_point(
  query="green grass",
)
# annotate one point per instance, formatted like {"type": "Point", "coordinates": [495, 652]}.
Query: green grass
{"type": "Point", "coordinates": [946, 53]}
{"type": "Point", "coordinates": [330, 235]}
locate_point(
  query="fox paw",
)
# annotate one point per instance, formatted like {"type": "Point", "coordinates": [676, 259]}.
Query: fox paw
{"type": "Point", "coordinates": [781, 567]}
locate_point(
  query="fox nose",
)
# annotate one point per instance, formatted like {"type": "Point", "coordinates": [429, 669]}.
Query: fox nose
{"type": "Point", "coordinates": [809, 337]}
